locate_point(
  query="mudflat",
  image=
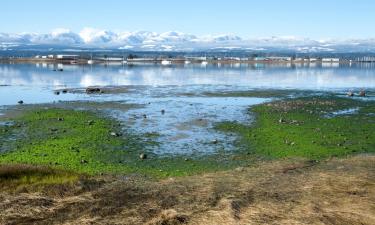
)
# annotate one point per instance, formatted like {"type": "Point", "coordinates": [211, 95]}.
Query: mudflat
{"type": "Point", "coordinates": [305, 159]}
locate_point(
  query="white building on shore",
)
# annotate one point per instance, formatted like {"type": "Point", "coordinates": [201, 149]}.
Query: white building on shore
{"type": "Point", "coordinates": [330, 60]}
{"type": "Point", "coordinates": [67, 57]}
{"type": "Point", "coordinates": [280, 58]}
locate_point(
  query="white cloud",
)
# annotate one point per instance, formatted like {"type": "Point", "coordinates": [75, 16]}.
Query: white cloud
{"type": "Point", "coordinates": [172, 40]}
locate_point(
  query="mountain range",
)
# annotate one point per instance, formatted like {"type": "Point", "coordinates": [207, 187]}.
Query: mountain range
{"type": "Point", "coordinates": [177, 41]}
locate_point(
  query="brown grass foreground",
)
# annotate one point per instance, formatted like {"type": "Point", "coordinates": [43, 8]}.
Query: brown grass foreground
{"type": "Point", "coordinates": [336, 191]}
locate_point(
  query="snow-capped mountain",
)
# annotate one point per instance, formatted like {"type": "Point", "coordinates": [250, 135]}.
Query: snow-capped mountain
{"type": "Point", "coordinates": [177, 41]}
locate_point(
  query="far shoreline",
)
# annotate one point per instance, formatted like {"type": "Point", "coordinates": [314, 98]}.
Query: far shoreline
{"type": "Point", "coordinates": [176, 61]}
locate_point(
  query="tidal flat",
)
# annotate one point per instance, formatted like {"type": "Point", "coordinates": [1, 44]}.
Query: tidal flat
{"type": "Point", "coordinates": [68, 156]}
{"type": "Point", "coordinates": [173, 145]}
{"type": "Point", "coordinates": [89, 143]}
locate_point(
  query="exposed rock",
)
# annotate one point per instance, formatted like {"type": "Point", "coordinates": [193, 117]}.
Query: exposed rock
{"type": "Point", "coordinates": [91, 90]}
{"type": "Point", "coordinates": [281, 120]}
{"type": "Point", "coordinates": [20, 102]}
{"type": "Point", "coordinates": [114, 134]}
{"type": "Point", "coordinates": [362, 93]}
{"type": "Point", "coordinates": [57, 92]}
{"type": "Point", "coordinates": [64, 91]}
{"type": "Point", "coordinates": [60, 119]}
{"type": "Point", "coordinates": [84, 161]}
{"type": "Point", "coordinates": [144, 116]}
{"type": "Point", "coordinates": [162, 111]}
{"type": "Point", "coordinates": [143, 156]}
{"type": "Point", "coordinates": [239, 169]}
{"type": "Point", "coordinates": [215, 141]}
{"type": "Point", "coordinates": [350, 94]}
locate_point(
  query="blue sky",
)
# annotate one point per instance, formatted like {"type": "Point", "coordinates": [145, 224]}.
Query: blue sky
{"type": "Point", "coordinates": [314, 19]}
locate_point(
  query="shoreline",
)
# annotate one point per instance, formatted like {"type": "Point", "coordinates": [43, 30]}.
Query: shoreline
{"type": "Point", "coordinates": [166, 62]}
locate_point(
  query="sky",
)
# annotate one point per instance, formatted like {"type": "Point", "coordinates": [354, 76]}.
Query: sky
{"type": "Point", "coordinates": [246, 18]}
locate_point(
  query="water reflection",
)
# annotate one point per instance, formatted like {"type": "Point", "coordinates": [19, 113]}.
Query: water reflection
{"type": "Point", "coordinates": [301, 76]}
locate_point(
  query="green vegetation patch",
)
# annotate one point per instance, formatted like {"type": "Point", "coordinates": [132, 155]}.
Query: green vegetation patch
{"type": "Point", "coordinates": [72, 140]}
{"type": "Point", "coordinates": [308, 127]}
{"type": "Point", "coordinates": [85, 142]}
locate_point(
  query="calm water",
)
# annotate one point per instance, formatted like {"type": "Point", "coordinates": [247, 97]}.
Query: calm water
{"type": "Point", "coordinates": [186, 126]}
{"type": "Point", "coordinates": [255, 75]}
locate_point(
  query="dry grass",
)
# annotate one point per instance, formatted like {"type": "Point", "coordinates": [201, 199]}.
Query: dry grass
{"type": "Point", "coordinates": [18, 177]}
{"type": "Point", "coordinates": [337, 191]}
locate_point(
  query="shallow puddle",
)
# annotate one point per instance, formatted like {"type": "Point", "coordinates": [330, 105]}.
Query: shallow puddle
{"type": "Point", "coordinates": [185, 125]}
{"type": "Point", "coordinates": [343, 112]}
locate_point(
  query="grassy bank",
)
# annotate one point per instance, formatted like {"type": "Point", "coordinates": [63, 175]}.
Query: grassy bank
{"type": "Point", "coordinates": [336, 191]}
{"type": "Point", "coordinates": [308, 127]}
{"type": "Point", "coordinates": [17, 177]}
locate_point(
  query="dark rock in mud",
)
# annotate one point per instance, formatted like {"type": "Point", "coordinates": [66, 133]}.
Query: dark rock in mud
{"type": "Point", "coordinates": [20, 102]}
{"type": "Point", "coordinates": [215, 141]}
{"type": "Point", "coordinates": [239, 169]}
{"type": "Point", "coordinates": [114, 134]}
{"type": "Point", "coordinates": [57, 92]}
{"type": "Point", "coordinates": [162, 111]}
{"type": "Point", "coordinates": [143, 156]}
{"type": "Point", "coordinates": [64, 91]}
{"type": "Point", "coordinates": [93, 90]}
